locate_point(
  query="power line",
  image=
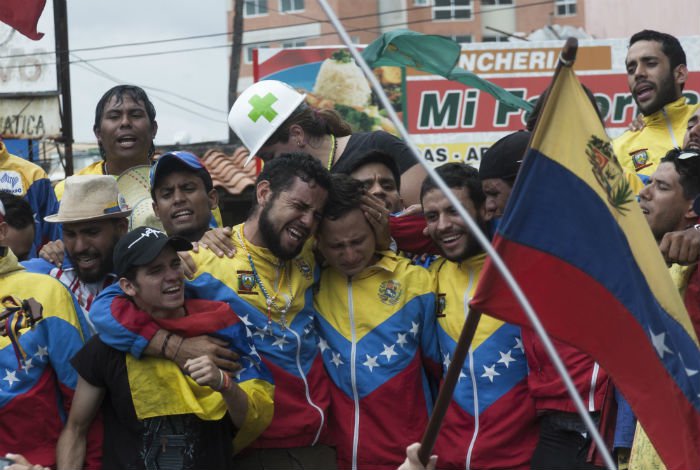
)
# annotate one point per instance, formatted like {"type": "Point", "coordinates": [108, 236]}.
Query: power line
{"type": "Point", "coordinates": [312, 21]}
{"type": "Point", "coordinates": [102, 73]}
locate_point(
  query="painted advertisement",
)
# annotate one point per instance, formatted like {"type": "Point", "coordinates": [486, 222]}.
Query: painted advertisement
{"type": "Point", "coordinates": [28, 66]}
{"type": "Point", "coordinates": [450, 122]}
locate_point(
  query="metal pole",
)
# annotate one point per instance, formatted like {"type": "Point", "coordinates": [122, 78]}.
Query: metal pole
{"type": "Point", "coordinates": [60, 18]}
{"type": "Point", "coordinates": [481, 238]}
{"type": "Point", "coordinates": [235, 64]}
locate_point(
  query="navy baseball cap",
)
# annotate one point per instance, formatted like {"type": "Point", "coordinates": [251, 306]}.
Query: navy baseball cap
{"type": "Point", "coordinates": [141, 246]}
{"type": "Point", "coordinates": [179, 158]}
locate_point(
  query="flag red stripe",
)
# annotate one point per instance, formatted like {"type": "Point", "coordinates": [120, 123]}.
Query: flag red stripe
{"type": "Point", "coordinates": [641, 377]}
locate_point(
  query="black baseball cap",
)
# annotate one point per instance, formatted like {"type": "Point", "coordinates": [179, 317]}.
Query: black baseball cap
{"type": "Point", "coordinates": [502, 160]}
{"type": "Point", "coordinates": [141, 246]}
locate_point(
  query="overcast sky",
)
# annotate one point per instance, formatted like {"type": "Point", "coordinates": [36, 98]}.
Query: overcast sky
{"type": "Point", "coordinates": [200, 76]}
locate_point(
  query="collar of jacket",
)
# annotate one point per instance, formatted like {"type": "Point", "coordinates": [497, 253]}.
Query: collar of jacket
{"type": "Point", "coordinates": [673, 109]}
{"type": "Point", "coordinates": [8, 262]}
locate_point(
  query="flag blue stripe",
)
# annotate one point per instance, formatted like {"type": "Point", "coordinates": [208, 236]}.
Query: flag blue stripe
{"type": "Point", "coordinates": [589, 238]}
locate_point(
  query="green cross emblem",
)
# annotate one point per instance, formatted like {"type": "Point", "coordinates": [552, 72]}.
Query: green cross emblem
{"type": "Point", "coordinates": [262, 106]}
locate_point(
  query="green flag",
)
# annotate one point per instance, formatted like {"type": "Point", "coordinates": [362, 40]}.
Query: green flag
{"type": "Point", "coordinates": [437, 55]}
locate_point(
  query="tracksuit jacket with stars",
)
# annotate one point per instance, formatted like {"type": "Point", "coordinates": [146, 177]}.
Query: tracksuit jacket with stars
{"type": "Point", "coordinates": [491, 421]}
{"type": "Point", "coordinates": [291, 352]}
{"type": "Point", "coordinates": [377, 334]}
{"type": "Point", "coordinates": [36, 388]}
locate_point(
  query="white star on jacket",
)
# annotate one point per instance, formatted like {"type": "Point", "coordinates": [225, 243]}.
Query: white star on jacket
{"type": "Point", "coordinates": [11, 377]}
{"type": "Point", "coordinates": [490, 372]}
{"type": "Point", "coordinates": [371, 362]}
{"type": "Point", "coordinates": [281, 341]}
{"type": "Point", "coordinates": [336, 359]}
{"type": "Point", "coordinates": [506, 359]}
{"type": "Point", "coordinates": [388, 352]}
{"type": "Point", "coordinates": [401, 339]}
{"type": "Point", "coordinates": [41, 351]}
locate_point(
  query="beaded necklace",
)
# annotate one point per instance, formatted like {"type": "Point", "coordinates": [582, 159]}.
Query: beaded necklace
{"type": "Point", "coordinates": [271, 301]}
{"type": "Point", "coordinates": [331, 155]}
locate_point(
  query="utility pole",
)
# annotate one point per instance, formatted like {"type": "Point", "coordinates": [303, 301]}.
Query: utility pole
{"type": "Point", "coordinates": [60, 15]}
{"type": "Point", "coordinates": [235, 63]}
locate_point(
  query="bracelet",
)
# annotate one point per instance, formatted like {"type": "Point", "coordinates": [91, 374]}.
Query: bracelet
{"type": "Point", "coordinates": [177, 350]}
{"type": "Point", "coordinates": [228, 384]}
{"type": "Point", "coordinates": [165, 345]}
{"type": "Point", "coordinates": [220, 387]}
{"type": "Point", "coordinates": [696, 226]}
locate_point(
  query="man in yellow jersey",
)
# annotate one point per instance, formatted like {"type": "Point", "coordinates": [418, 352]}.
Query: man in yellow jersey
{"type": "Point", "coordinates": [656, 74]}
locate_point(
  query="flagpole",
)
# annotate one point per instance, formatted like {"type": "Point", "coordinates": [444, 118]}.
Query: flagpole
{"type": "Point", "coordinates": [444, 398]}
{"type": "Point", "coordinates": [566, 58]}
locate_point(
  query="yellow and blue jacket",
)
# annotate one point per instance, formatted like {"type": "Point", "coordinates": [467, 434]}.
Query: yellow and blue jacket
{"type": "Point", "coordinates": [29, 181]}
{"type": "Point", "coordinates": [491, 421]}
{"type": "Point", "coordinates": [641, 151]}
{"type": "Point", "coordinates": [37, 381]}
{"type": "Point", "coordinates": [379, 347]}
{"type": "Point", "coordinates": [301, 397]}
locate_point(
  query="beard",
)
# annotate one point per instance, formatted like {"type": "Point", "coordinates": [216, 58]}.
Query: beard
{"type": "Point", "coordinates": [105, 266]}
{"type": "Point", "coordinates": [271, 236]}
{"type": "Point", "coordinates": [666, 93]}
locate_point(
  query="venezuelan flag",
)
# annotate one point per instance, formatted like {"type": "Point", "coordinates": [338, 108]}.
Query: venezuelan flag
{"type": "Point", "coordinates": [580, 248]}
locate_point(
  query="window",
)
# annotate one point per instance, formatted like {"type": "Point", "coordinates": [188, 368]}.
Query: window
{"type": "Point", "coordinates": [452, 10]}
{"type": "Point", "coordinates": [255, 8]}
{"type": "Point", "coordinates": [249, 51]}
{"type": "Point", "coordinates": [462, 39]}
{"type": "Point", "coordinates": [291, 5]}
{"type": "Point", "coordinates": [494, 38]}
{"type": "Point", "coordinates": [565, 7]}
{"type": "Point", "coordinates": [289, 44]}
{"type": "Point", "coordinates": [496, 2]}
{"type": "Point", "coordinates": [421, 3]}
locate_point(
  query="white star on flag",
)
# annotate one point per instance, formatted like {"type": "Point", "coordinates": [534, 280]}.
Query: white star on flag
{"type": "Point", "coordinates": [388, 352]}
{"type": "Point", "coordinates": [27, 364]}
{"type": "Point", "coordinates": [322, 345]}
{"type": "Point", "coordinates": [245, 320]}
{"type": "Point", "coordinates": [462, 375]}
{"type": "Point", "coordinates": [240, 371]}
{"type": "Point", "coordinates": [688, 372]}
{"type": "Point", "coordinates": [659, 343]}
{"type": "Point", "coordinates": [519, 344]}
{"type": "Point", "coordinates": [259, 332]}
{"type": "Point", "coordinates": [371, 362]}
{"type": "Point", "coordinates": [490, 372]}
{"type": "Point", "coordinates": [446, 361]}
{"type": "Point", "coordinates": [401, 339]}
{"type": "Point", "coordinates": [336, 359]}
{"type": "Point", "coordinates": [254, 351]}
{"type": "Point", "coordinates": [11, 377]}
{"type": "Point", "coordinates": [41, 351]}
{"type": "Point", "coordinates": [506, 359]}
{"type": "Point", "coordinates": [415, 327]}
{"type": "Point", "coordinates": [281, 341]}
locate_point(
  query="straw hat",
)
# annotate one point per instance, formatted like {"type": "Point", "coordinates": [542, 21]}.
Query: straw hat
{"type": "Point", "coordinates": [90, 197]}
{"type": "Point", "coordinates": [135, 185]}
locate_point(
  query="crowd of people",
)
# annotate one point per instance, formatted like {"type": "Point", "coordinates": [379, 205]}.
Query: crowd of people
{"type": "Point", "coordinates": [317, 333]}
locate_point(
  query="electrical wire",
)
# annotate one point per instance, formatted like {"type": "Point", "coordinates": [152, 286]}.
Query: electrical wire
{"type": "Point", "coordinates": [312, 21]}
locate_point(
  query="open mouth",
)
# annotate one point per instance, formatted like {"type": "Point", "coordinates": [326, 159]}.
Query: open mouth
{"type": "Point", "coordinates": [184, 213]}
{"type": "Point", "coordinates": [297, 234]}
{"type": "Point", "coordinates": [643, 91]}
{"type": "Point", "coordinates": [172, 290]}
{"type": "Point", "coordinates": [127, 141]}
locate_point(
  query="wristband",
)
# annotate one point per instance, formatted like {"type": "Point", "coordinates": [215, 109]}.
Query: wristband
{"type": "Point", "coordinates": [165, 345]}
{"type": "Point", "coordinates": [177, 350]}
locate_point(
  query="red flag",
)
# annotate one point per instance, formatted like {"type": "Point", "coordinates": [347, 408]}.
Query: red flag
{"type": "Point", "coordinates": [23, 15]}
{"type": "Point", "coordinates": [577, 243]}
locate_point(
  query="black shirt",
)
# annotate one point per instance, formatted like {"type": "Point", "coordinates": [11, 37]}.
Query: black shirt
{"type": "Point", "coordinates": [164, 442]}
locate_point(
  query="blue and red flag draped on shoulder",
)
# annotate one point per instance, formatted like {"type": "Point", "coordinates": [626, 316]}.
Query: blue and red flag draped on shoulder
{"type": "Point", "coordinates": [581, 250]}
